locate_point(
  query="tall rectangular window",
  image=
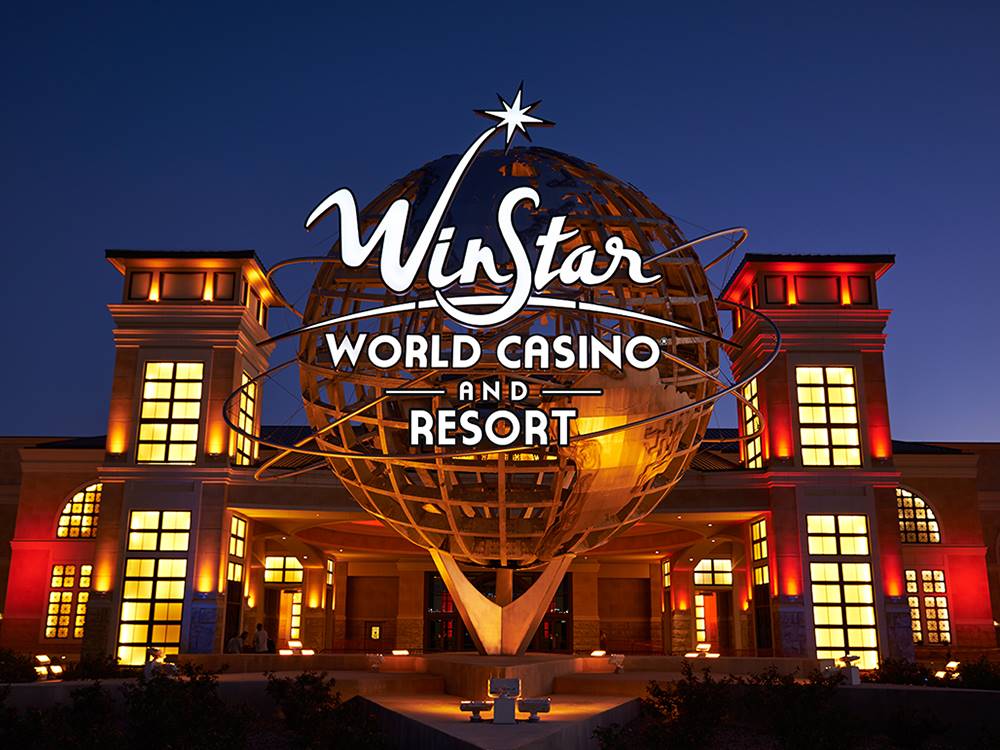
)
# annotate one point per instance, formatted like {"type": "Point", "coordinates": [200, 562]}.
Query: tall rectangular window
{"type": "Point", "coordinates": [152, 607]}
{"type": "Point", "coordinates": [246, 449]}
{"type": "Point", "coordinates": [842, 592]}
{"type": "Point", "coordinates": [758, 537]}
{"type": "Point", "coordinates": [237, 549]}
{"type": "Point", "coordinates": [928, 600]}
{"type": "Point", "coordinates": [171, 408]}
{"type": "Point", "coordinates": [753, 448]}
{"type": "Point", "coordinates": [69, 590]}
{"type": "Point", "coordinates": [828, 416]}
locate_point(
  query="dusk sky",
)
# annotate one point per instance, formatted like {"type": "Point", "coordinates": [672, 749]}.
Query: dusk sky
{"type": "Point", "coordinates": [856, 128]}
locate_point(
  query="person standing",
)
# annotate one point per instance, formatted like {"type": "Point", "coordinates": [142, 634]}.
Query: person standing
{"type": "Point", "coordinates": [260, 639]}
{"type": "Point", "coordinates": [237, 644]}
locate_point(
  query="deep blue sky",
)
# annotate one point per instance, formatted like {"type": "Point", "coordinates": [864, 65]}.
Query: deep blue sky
{"type": "Point", "coordinates": [857, 127]}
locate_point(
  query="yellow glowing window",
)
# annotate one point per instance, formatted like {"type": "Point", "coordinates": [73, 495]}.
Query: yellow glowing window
{"type": "Point", "coordinates": [234, 572]}
{"type": "Point", "coordinates": [758, 539]}
{"type": "Point", "coordinates": [828, 416]}
{"type": "Point", "coordinates": [282, 570]}
{"type": "Point", "coordinates": [237, 537]}
{"type": "Point", "coordinates": [917, 522]}
{"type": "Point", "coordinates": [329, 572]}
{"type": "Point", "coordinates": [79, 516]}
{"type": "Point", "coordinates": [171, 408]}
{"type": "Point", "coordinates": [700, 629]}
{"type": "Point", "coordinates": [666, 574]}
{"type": "Point", "coordinates": [159, 531]}
{"type": "Point", "coordinates": [837, 535]}
{"type": "Point", "coordinates": [842, 594]}
{"type": "Point", "coordinates": [714, 572]}
{"type": "Point", "coordinates": [295, 621]}
{"type": "Point", "coordinates": [753, 456]}
{"type": "Point", "coordinates": [69, 592]}
{"type": "Point", "coordinates": [152, 607]}
{"type": "Point", "coordinates": [245, 448]}
{"type": "Point", "coordinates": [928, 602]}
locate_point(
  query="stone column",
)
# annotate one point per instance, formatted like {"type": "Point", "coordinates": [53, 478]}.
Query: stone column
{"type": "Point", "coordinates": [899, 629]}
{"type": "Point", "coordinates": [656, 607]}
{"type": "Point", "coordinates": [410, 614]}
{"type": "Point", "coordinates": [791, 626]}
{"type": "Point", "coordinates": [340, 605]}
{"type": "Point", "coordinates": [682, 631]}
{"type": "Point", "coordinates": [586, 620]}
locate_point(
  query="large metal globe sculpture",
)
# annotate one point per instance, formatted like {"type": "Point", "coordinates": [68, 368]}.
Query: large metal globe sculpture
{"type": "Point", "coordinates": [519, 508]}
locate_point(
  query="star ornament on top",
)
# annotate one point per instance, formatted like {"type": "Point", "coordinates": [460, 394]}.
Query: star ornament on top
{"type": "Point", "coordinates": [514, 117]}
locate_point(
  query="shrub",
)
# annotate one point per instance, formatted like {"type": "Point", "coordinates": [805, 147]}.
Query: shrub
{"type": "Point", "coordinates": [979, 675]}
{"type": "Point", "coordinates": [315, 713]}
{"type": "Point", "coordinates": [899, 672]}
{"type": "Point", "coordinates": [15, 667]}
{"type": "Point", "coordinates": [796, 713]}
{"type": "Point", "coordinates": [97, 668]}
{"type": "Point", "coordinates": [182, 712]}
{"type": "Point", "coordinates": [88, 722]}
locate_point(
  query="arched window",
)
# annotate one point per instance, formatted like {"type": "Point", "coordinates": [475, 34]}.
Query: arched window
{"type": "Point", "coordinates": [917, 522]}
{"type": "Point", "coordinates": [79, 517]}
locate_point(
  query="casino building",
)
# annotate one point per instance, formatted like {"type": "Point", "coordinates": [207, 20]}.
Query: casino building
{"type": "Point", "coordinates": [821, 536]}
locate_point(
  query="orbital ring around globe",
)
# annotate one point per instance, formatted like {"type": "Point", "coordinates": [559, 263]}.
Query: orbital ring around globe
{"type": "Point", "coordinates": [285, 450]}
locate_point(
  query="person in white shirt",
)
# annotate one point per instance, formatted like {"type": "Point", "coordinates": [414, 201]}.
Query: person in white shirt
{"type": "Point", "coordinates": [260, 639]}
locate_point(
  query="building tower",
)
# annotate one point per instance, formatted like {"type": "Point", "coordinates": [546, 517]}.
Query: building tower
{"type": "Point", "coordinates": [185, 333]}
{"type": "Point", "coordinates": [826, 449]}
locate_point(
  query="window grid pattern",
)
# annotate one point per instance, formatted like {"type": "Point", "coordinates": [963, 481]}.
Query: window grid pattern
{"type": "Point", "coordinates": [842, 592]}
{"type": "Point", "coordinates": [837, 535]}
{"type": "Point", "coordinates": [917, 522]}
{"type": "Point", "coordinates": [666, 574]}
{"type": "Point", "coordinates": [237, 537]}
{"type": "Point", "coordinates": [828, 416]}
{"type": "Point", "coordinates": [159, 531]}
{"type": "Point", "coordinates": [170, 411]}
{"type": "Point", "coordinates": [78, 519]}
{"type": "Point", "coordinates": [246, 449]}
{"type": "Point", "coordinates": [753, 448]}
{"type": "Point", "coordinates": [69, 591]}
{"type": "Point", "coordinates": [234, 572]}
{"type": "Point", "coordinates": [700, 628]}
{"type": "Point", "coordinates": [928, 602]}
{"type": "Point", "coordinates": [152, 607]}
{"type": "Point", "coordinates": [282, 570]}
{"type": "Point", "coordinates": [716, 571]}
{"type": "Point", "coordinates": [295, 620]}
{"type": "Point", "coordinates": [758, 539]}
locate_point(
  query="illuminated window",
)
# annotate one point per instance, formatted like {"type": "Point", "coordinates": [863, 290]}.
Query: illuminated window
{"type": "Point", "coordinates": [758, 537]}
{"type": "Point", "coordinates": [828, 416]}
{"type": "Point", "coordinates": [917, 522]}
{"type": "Point", "coordinates": [282, 570]}
{"type": "Point", "coordinates": [714, 572]}
{"type": "Point", "coordinates": [666, 574]}
{"type": "Point", "coordinates": [837, 535]}
{"type": "Point", "coordinates": [171, 408]}
{"type": "Point", "coordinates": [237, 537]}
{"type": "Point", "coordinates": [700, 629]}
{"type": "Point", "coordinates": [159, 531]}
{"type": "Point", "coordinates": [79, 516]}
{"type": "Point", "coordinates": [152, 607]}
{"type": "Point", "coordinates": [67, 606]}
{"type": "Point", "coordinates": [246, 449]}
{"type": "Point", "coordinates": [928, 601]}
{"type": "Point", "coordinates": [234, 572]}
{"type": "Point", "coordinates": [842, 592]}
{"type": "Point", "coordinates": [753, 453]}
{"type": "Point", "coordinates": [329, 572]}
{"type": "Point", "coordinates": [295, 621]}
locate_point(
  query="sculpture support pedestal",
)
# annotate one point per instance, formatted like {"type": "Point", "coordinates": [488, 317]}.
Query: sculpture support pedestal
{"type": "Point", "coordinates": [501, 630]}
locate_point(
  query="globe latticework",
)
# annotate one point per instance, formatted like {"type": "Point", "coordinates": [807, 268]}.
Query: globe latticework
{"type": "Point", "coordinates": [523, 507]}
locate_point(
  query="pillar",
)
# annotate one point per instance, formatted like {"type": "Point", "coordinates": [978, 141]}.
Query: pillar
{"type": "Point", "coordinates": [586, 619]}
